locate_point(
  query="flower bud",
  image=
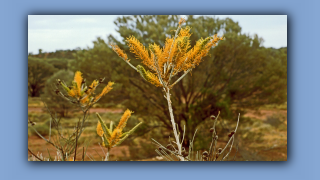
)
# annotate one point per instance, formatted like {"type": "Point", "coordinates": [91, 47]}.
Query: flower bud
{"type": "Point", "coordinates": [57, 91]}
{"type": "Point", "coordinates": [216, 138]}
{"type": "Point", "coordinates": [205, 153]}
{"type": "Point", "coordinates": [231, 134]}
{"type": "Point", "coordinates": [32, 123]}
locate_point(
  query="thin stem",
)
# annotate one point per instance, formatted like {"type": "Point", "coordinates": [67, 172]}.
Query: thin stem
{"type": "Point", "coordinates": [108, 153]}
{"type": "Point", "coordinates": [82, 153]}
{"type": "Point", "coordinates": [180, 78]}
{"type": "Point", "coordinates": [82, 123]}
{"type": "Point", "coordinates": [232, 138]}
{"type": "Point", "coordinates": [214, 133]}
{"type": "Point", "coordinates": [75, 150]}
{"type": "Point", "coordinates": [173, 124]}
{"type": "Point", "coordinates": [127, 61]}
{"type": "Point", "coordinates": [172, 152]}
{"type": "Point", "coordinates": [50, 129]}
{"type": "Point", "coordinates": [131, 65]}
{"type": "Point", "coordinates": [34, 155]}
{"type": "Point", "coordinates": [45, 138]}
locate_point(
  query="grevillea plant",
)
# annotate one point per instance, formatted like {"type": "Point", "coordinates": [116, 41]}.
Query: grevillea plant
{"type": "Point", "coordinates": [84, 97]}
{"type": "Point", "coordinates": [114, 137]}
{"type": "Point", "coordinates": [164, 63]}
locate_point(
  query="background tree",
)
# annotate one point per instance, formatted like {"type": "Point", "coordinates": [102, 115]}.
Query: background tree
{"type": "Point", "coordinates": [38, 72]}
{"type": "Point", "coordinates": [54, 102]}
{"type": "Point", "coordinates": [58, 63]}
{"type": "Point", "coordinates": [239, 74]}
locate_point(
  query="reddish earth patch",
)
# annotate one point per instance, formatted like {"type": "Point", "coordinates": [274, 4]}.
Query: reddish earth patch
{"type": "Point", "coordinates": [263, 114]}
{"type": "Point", "coordinates": [261, 153]}
{"type": "Point", "coordinates": [92, 110]}
{"type": "Point", "coordinates": [38, 145]}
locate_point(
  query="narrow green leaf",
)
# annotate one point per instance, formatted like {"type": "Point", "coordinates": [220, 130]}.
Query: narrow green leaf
{"type": "Point", "coordinates": [121, 140]}
{"type": "Point", "coordinates": [105, 140]}
{"type": "Point", "coordinates": [134, 128]}
{"type": "Point", "coordinates": [111, 127]}
{"type": "Point", "coordinates": [104, 126]}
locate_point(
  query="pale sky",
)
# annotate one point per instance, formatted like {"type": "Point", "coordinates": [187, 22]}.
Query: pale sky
{"type": "Point", "coordinates": [60, 32]}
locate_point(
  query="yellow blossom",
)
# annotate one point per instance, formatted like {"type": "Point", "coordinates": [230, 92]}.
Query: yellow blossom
{"type": "Point", "coordinates": [119, 52]}
{"type": "Point", "coordinates": [78, 79]}
{"type": "Point", "coordinates": [123, 121]}
{"type": "Point", "coordinates": [175, 56]}
{"type": "Point", "coordinates": [115, 137]}
{"type": "Point", "coordinates": [99, 129]}
{"type": "Point", "coordinates": [104, 91]}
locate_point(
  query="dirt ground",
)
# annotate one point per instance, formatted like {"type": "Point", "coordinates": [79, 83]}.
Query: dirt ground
{"type": "Point", "coordinates": [274, 146]}
{"type": "Point", "coordinates": [95, 152]}
{"type": "Point", "coordinates": [263, 114]}
{"type": "Point", "coordinates": [92, 110]}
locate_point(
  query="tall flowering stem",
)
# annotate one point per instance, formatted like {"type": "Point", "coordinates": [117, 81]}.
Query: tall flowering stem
{"type": "Point", "coordinates": [83, 96]}
{"type": "Point", "coordinates": [166, 62]}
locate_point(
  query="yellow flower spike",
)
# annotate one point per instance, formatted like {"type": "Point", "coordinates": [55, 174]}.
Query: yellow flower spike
{"type": "Point", "coordinates": [182, 20]}
{"type": "Point", "coordinates": [140, 51]}
{"type": "Point", "coordinates": [72, 93]}
{"type": "Point", "coordinates": [185, 32]}
{"type": "Point", "coordinates": [78, 79]}
{"type": "Point", "coordinates": [165, 54]}
{"type": "Point", "coordinates": [84, 100]}
{"type": "Point", "coordinates": [92, 86]}
{"type": "Point", "coordinates": [104, 91]}
{"type": "Point", "coordinates": [175, 53]}
{"type": "Point", "coordinates": [123, 121]}
{"type": "Point", "coordinates": [115, 137]}
{"type": "Point", "coordinates": [99, 129]}
{"type": "Point", "coordinates": [119, 52]}
{"type": "Point", "coordinates": [153, 79]}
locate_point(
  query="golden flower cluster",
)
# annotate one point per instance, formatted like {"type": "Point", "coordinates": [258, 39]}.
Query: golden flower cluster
{"type": "Point", "coordinates": [80, 93]}
{"type": "Point", "coordinates": [176, 55]}
{"type": "Point", "coordinates": [119, 52]}
{"type": "Point", "coordinates": [110, 137]}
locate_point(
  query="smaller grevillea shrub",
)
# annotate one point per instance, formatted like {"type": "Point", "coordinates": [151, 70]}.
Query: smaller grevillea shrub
{"type": "Point", "coordinates": [84, 97]}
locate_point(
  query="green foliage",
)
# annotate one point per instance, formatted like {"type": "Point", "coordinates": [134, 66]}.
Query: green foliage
{"type": "Point", "coordinates": [38, 72]}
{"type": "Point", "coordinates": [60, 54]}
{"type": "Point", "coordinates": [54, 102]}
{"type": "Point", "coordinates": [58, 63]}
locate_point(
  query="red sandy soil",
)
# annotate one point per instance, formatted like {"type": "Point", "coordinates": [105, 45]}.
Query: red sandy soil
{"type": "Point", "coordinates": [36, 144]}
{"type": "Point", "coordinates": [263, 114]}
{"type": "Point", "coordinates": [92, 110]}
